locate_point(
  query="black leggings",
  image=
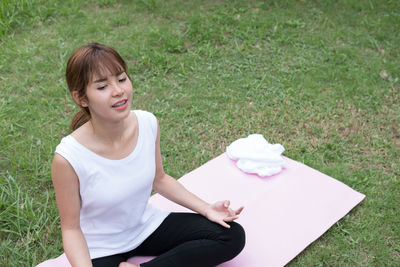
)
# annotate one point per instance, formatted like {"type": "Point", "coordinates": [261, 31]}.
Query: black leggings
{"type": "Point", "coordinates": [182, 240]}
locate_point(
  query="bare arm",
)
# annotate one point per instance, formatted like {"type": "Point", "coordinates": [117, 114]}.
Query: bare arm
{"type": "Point", "coordinates": [173, 190]}
{"type": "Point", "coordinates": [66, 186]}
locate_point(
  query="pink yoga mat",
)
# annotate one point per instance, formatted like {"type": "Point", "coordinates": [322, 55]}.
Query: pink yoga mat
{"type": "Point", "coordinates": [283, 213]}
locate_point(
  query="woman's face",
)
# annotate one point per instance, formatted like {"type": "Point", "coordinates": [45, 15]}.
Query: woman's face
{"type": "Point", "coordinates": [109, 97]}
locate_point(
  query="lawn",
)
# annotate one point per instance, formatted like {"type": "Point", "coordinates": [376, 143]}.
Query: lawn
{"type": "Point", "coordinates": [320, 77]}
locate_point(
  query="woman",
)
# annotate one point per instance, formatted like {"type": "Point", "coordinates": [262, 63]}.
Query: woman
{"type": "Point", "coordinates": [103, 174]}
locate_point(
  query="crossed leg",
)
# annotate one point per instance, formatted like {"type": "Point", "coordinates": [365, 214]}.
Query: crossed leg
{"type": "Point", "coordinates": [184, 239]}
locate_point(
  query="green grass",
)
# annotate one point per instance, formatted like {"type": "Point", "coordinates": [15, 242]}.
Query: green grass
{"type": "Point", "coordinates": [305, 74]}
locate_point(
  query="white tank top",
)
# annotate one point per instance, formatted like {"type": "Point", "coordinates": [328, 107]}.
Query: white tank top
{"type": "Point", "coordinates": [115, 215]}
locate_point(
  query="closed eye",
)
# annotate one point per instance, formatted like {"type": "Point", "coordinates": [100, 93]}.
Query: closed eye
{"type": "Point", "coordinates": [122, 80]}
{"type": "Point", "coordinates": [102, 87]}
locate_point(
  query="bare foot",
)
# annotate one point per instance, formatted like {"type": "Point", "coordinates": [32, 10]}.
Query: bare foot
{"type": "Point", "coordinates": [127, 264]}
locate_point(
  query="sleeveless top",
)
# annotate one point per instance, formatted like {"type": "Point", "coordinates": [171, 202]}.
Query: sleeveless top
{"type": "Point", "coordinates": [115, 215]}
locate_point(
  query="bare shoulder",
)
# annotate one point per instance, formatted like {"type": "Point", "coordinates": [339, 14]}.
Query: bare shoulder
{"type": "Point", "coordinates": [60, 161]}
{"type": "Point", "coordinates": [62, 169]}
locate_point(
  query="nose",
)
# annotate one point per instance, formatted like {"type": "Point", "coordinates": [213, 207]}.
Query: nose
{"type": "Point", "coordinates": [117, 90]}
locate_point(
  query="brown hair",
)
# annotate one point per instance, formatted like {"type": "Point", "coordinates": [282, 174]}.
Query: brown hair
{"type": "Point", "coordinates": [87, 61]}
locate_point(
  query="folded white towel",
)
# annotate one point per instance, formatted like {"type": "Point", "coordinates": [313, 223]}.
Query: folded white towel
{"type": "Point", "coordinates": [255, 155]}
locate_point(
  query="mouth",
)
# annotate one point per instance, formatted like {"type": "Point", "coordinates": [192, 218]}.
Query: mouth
{"type": "Point", "coordinates": [120, 104]}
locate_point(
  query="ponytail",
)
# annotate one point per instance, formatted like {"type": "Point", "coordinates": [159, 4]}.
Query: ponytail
{"type": "Point", "coordinates": [80, 118]}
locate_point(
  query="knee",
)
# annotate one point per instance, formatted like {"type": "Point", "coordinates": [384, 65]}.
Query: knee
{"type": "Point", "coordinates": [237, 238]}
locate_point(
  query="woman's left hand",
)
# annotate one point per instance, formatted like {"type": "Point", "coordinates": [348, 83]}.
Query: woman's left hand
{"type": "Point", "coordinates": [220, 212]}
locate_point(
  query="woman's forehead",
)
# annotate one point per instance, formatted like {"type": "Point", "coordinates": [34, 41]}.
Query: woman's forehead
{"type": "Point", "coordinates": [102, 72]}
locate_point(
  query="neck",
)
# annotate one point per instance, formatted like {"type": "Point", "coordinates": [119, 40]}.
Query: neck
{"type": "Point", "coordinates": [109, 132]}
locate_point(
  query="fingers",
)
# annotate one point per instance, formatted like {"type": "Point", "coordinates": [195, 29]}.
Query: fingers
{"type": "Point", "coordinates": [239, 210]}
{"type": "Point", "coordinates": [224, 224]}
{"type": "Point", "coordinates": [224, 205]}
{"type": "Point", "coordinates": [231, 218]}
{"type": "Point", "coordinates": [222, 214]}
{"type": "Point", "coordinates": [235, 212]}
{"type": "Point", "coordinates": [227, 203]}
{"type": "Point", "coordinates": [233, 215]}
{"type": "Point", "coordinates": [228, 219]}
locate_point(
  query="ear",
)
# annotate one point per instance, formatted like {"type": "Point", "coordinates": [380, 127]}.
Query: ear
{"type": "Point", "coordinates": [81, 101]}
